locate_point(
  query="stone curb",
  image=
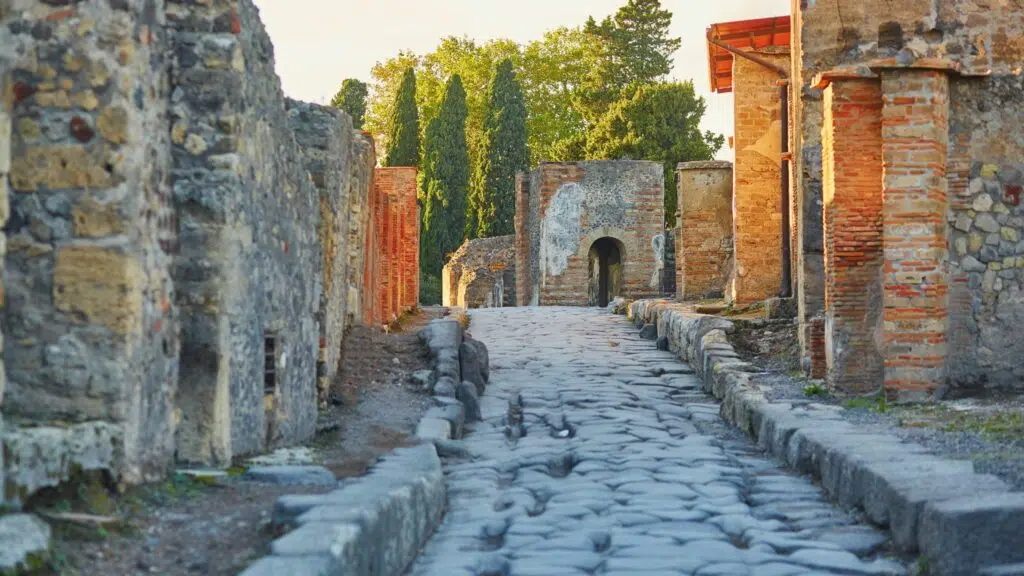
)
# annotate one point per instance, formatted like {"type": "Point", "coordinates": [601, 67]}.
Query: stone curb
{"type": "Point", "coordinates": [375, 524]}
{"type": "Point", "coordinates": [962, 522]}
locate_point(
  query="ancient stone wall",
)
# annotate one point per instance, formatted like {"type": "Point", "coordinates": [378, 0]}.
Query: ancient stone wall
{"type": "Point", "coordinates": [757, 206]}
{"type": "Point", "coordinates": [480, 274]}
{"type": "Point", "coordinates": [362, 160]}
{"type": "Point", "coordinates": [986, 242]}
{"type": "Point", "coordinates": [704, 242]}
{"type": "Point", "coordinates": [87, 296]}
{"type": "Point", "coordinates": [951, 178]}
{"type": "Point", "coordinates": [572, 206]}
{"type": "Point", "coordinates": [250, 265]}
{"type": "Point", "coordinates": [163, 270]}
{"type": "Point", "coordinates": [325, 136]}
{"type": "Point", "coordinates": [523, 274]}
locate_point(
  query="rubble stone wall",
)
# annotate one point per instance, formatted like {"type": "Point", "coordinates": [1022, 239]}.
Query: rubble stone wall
{"type": "Point", "coordinates": [325, 136]}
{"type": "Point", "coordinates": [475, 276]}
{"type": "Point", "coordinates": [180, 244]}
{"type": "Point", "coordinates": [88, 306]}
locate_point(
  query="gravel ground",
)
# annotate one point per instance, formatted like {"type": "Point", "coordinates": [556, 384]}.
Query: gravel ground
{"type": "Point", "coordinates": [987, 431]}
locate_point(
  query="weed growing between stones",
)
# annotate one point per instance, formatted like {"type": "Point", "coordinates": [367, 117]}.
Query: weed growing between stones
{"type": "Point", "coordinates": [876, 403]}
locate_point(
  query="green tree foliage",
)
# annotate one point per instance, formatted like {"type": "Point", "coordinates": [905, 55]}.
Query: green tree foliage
{"type": "Point", "coordinates": [634, 48]}
{"type": "Point", "coordinates": [505, 135]}
{"type": "Point", "coordinates": [351, 99]}
{"type": "Point", "coordinates": [404, 138]}
{"type": "Point", "coordinates": [444, 180]}
{"type": "Point", "coordinates": [659, 122]}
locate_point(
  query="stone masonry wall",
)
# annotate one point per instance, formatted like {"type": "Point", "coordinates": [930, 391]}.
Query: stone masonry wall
{"type": "Point", "coordinates": [757, 206]}
{"type": "Point", "coordinates": [362, 159]}
{"type": "Point", "coordinates": [475, 275]}
{"type": "Point", "coordinates": [575, 204]}
{"type": "Point", "coordinates": [986, 243]}
{"type": "Point", "coordinates": [951, 297]}
{"type": "Point", "coordinates": [704, 245]}
{"type": "Point", "coordinates": [250, 267]}
{"type": "Point", "coordinates": [325, 136]}
{"type": "Point", "coordinates": [852, 168]}
{"type": "Point", "coordinates": [91, 342]}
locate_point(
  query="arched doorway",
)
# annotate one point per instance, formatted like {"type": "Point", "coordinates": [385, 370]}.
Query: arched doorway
{"type": "Point", "coordinates": [605, 271]}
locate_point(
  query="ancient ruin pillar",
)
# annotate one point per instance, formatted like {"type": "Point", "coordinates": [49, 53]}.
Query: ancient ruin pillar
{"type": "Point", "coordinates": [852, 195]}
{"type": "Point", "coordinates": [704, 234]}
{"type": "Point", "coordinates": [5, 168]}
{"type": "Point", "coordinates": [522, 239]}
{"type": "Point", "coordinates": [915, 127]}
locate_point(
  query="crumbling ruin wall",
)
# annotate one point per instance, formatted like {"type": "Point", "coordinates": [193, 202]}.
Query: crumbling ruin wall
{"type": "Point", "coordinates": [480, 274]}
{"type": "Point", "coordinates": [87, 294]}
{"type": "Point", "coordinates": [250, 265]}
{"type": "Point", "coordinates": [325, 136]}
{"type": "Point", "coordinates": [571, 206]}
{"type": "Point", "coordinates": [704, 242]}
{"type": "Point", "coordinates": [362, 159]}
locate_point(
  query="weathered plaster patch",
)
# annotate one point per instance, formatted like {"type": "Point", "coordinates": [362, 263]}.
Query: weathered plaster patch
{"type": "Point", "coordinates": [560, 230]}
{"type": "Point", "coordinates": [658, 246]}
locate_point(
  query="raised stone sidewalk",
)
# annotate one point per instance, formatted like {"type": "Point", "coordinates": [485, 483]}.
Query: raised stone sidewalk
{"type": "Point", "coordinates": [960, 522]}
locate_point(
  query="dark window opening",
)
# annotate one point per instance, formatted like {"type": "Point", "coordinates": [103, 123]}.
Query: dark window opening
{"type": "Point", "coordinates": [269, 363]}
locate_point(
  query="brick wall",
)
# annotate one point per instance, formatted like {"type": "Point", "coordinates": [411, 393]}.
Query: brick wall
{"type": "Point", "coordinates": [362, 162]}
{"type": "Point", "coordinates": [704, 243]}
{"type": "Point", "coordinates": [395, 191]}
{"type": "Point", "coordinates": [915, 127]}
{"type": "Point", "coordinates": [572, 205]}
{"type": "Point", "coordinates": [852, 172]}
{"type": "Point", "coordinates": [757, 209]}
{"type": "Point", "coordinates": [522, 241]}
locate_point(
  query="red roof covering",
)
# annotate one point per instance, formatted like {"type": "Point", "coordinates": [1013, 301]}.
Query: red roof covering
{"type": "Point", "coordinates": [742, 35]}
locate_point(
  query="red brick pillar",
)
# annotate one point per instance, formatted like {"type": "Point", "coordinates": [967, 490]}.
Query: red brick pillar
{"type": "Point", "coordinates": [394, 255]}
{"type": "Point", "coordinates": [915, 129]}
{"type": "Point", "coordinates": [410, 251]}
{"type": "Point", "coordinates": [852, 205]}
{"type": "Point", "coordinates": [522, 242]}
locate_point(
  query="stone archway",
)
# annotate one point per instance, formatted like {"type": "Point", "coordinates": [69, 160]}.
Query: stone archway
{"type": "Point", "coordinates": [605, 271]}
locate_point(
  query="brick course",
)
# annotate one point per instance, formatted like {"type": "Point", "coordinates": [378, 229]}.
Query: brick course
{"type": "Point", "coordinates": [704, 243]}
{"type": "Point", "coordinates": [852, 196]}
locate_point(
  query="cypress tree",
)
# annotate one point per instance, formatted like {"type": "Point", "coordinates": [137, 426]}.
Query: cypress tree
{"type": "Point", "coordinates": [404, 139]}
{"type": "Point", "coordinates": [507, 152]}
{"type": "Point", "coordinates": [445, 180]}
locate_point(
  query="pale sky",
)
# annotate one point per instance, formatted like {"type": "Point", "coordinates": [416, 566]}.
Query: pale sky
{"type": "Point", "coordinates": [319, 43]}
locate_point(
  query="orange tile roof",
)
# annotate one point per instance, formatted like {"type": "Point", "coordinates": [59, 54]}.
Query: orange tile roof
{"type": "Point", "coordinates": [742, 35]}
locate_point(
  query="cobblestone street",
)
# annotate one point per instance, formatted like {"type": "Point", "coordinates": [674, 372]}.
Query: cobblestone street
{"type": "Point", "coordinates": [598, 454]}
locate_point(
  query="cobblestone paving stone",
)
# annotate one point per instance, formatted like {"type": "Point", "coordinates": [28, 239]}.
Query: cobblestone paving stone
{"type": "Point", "coordinates": [598, 454]}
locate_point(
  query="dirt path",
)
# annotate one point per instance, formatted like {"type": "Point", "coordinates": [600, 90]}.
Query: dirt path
{"type": "Point", "coordinates": [217, 527]}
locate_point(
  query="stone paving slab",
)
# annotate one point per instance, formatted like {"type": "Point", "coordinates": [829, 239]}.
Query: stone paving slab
{"type": "Point", "coordinates": [598, 454]}
{"type": "Point", "coordinates": [919, 497]}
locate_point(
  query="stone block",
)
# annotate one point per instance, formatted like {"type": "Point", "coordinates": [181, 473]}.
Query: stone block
{"type": "Point", "coordinates": [1004, 570]}
{"type": "Point", "coordinates": [445, 387]}
{"type": "Point", "coordinates": [433, 428]}
{"type": "Point", "coordinates": [466, 393]}
{"type": "Point", "coordinates": [24, 543]}
{"type": "Point", "coordinates": [451, 410]}
{"type": "Point", "coordinates": [967, 534]}
{"type": "Point", "coordinates": [471, 365]}
{"type": "Point", "coordinates": [104, 285]}
{"type": "Point", "coordinates": [649, 332]}
{"type": "Point", "coordinates": [291, 475]}
{"type": "Point", "coordinates": [295, 566]}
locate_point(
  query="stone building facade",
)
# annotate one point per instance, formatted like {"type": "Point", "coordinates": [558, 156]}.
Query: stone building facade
{"type": "Point", "coordinates": [179, 241]}
{"type": "Point", "coordinates": [587, 232]}
{"type": "Point", "coordinates": [704, 241]}
{"type": "Point", "coordinates": [931, 87]}
{"type": "Point", "coordinates": [481, 274]}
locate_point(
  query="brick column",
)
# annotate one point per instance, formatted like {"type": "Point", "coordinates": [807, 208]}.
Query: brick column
{"type": "Point", "coordinates": [704, 233]}
{"type": "Point", "coordinates": [915, 128]}
{"type": "Point", "coordinates": [522, 242]}
{"type": "Point", "coordinates": [852, 195]}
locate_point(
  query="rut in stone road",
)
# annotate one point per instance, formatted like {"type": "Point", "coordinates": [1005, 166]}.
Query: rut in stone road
{"type": "Point", "coordinates": [599, 455]}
